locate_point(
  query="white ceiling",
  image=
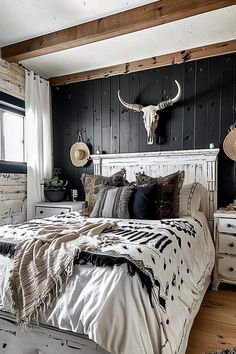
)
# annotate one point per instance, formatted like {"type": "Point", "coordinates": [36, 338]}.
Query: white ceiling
{"type": "Point", "coordinates": [24, 19]}
{"type": "Point", "coordinates": [28, 18]}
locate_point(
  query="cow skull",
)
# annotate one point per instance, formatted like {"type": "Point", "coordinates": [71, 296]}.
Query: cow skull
{"type": "Point", "coordinates": [150, 115]}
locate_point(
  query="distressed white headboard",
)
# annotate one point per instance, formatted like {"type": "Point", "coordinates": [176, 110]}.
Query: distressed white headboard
{"type": "Point", "coordinates": [199, 166]}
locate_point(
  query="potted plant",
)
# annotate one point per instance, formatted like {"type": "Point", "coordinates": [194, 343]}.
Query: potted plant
{"type": "Point", "coordinates": [54, 187]}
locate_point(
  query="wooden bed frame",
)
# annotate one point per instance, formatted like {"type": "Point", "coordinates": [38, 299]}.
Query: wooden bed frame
{"type": "Point", "coordinates": [199, 165]}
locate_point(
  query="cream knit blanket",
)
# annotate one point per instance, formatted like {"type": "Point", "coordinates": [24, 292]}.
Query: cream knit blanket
{"type": "Point", "coordinates": [43, 264]}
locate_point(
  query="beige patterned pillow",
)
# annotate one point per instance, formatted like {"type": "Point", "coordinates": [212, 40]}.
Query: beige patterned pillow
{"type": "Point", "coordinates": [192, 199]}
{"type": "Point", "coordinates": [166, 194]}
{"type": "Point", "coordinates": [93, 183]}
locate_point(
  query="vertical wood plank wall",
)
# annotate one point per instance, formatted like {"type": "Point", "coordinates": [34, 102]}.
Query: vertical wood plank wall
{"type": "Point", "coordinates": [203, 116]}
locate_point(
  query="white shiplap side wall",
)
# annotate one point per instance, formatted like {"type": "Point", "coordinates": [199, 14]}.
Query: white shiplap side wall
{"type": "Point", "coordinates": [12, 198]}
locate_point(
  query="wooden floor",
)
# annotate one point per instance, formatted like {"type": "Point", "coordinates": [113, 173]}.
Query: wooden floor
{"type": "Point", "coordinates": [215, 325]}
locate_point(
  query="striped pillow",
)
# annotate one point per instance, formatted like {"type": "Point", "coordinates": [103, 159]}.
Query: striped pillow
{"type": "Point", "coordinates": [113, 202]}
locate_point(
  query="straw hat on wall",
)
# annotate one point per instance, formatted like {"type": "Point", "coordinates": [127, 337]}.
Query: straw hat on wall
{"type": "Point", "coordinates": [229, 144]}
{"type": "Point", "coordinates": [79, 154]}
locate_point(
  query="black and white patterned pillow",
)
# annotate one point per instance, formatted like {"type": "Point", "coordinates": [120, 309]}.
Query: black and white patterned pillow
{"type": "Point", "coordinates": [113, 202]}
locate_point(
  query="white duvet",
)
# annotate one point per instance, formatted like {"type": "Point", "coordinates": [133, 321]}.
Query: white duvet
{"type": "Point", "coordinates": [114, 310]}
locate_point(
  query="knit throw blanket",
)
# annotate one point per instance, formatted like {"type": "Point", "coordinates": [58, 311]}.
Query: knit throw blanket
{"type": "Point", "coordinates": [43, 261]}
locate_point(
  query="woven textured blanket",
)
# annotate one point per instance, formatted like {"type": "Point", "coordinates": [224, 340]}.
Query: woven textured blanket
{"type": "Point", "coordinates": [43, 261]}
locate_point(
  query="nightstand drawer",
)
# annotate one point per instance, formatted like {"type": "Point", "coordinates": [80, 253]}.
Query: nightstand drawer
{"type": "Point", "coordinates": [227, 225]}
{"type": "Point", "coordinates": [44, 212]}
{"type": "Point", "coordinates": [227, 244]}
{"type": "Point", "coordinates": [227, 267]}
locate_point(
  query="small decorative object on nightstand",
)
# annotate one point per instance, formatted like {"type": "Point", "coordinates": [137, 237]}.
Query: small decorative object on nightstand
{"type": "Point", "coordinates": [225, 244]}
{"type": "Point", "coordinates": [54, 187]}
{"type": "Point", "coordinates": [47, 209]}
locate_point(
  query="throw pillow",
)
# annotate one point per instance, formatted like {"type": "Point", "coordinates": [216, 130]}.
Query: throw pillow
{"type": "Point", "coordinates": [192, 198]}
{"type": "Point", "coordinates": [93, 183]}
{"type": "Point", "coordinates": [142, 202]}
{"type": "Point", "coordinates": [167, 193]}
{"type": "Point", "coordinates": [113, 202]}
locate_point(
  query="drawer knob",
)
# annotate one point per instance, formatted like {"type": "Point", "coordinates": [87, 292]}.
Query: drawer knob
{"type": "Point", "coordinates": [231, 244]}
{"type": "Point", "coordinates": [229, 225]}
{"type": "Point", "coordinates": [41, 212]}
{"type": "Point", "coordinates": [231, 269]}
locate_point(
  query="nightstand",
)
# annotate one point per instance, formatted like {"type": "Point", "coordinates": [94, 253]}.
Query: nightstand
{"type": "Point", "coordinates": [46, 209]}
{"type": "Point", "coordinates": [225, 245]}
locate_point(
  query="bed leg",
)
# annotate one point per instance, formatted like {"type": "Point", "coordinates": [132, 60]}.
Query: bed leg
{"type": "Point", "coordinates": [215, 284]}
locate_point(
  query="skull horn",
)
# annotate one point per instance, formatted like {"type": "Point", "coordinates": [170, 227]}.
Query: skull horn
{"type": "Point", "coordinates": [133, 106]}
{"type": "Point", "coordinates": [171, 101]}
{"type": "Point", "coordinates": [177, 97]}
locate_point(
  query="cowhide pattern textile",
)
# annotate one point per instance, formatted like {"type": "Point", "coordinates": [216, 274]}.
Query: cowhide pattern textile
{"type": "Point", "coordinates": [166, 195]}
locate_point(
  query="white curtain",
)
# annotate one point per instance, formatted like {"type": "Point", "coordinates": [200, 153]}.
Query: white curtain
{"type": "Point", "coordinates": [38, 137]}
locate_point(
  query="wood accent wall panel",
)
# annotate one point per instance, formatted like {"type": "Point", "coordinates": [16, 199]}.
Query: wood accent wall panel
{"type": "Point", "coordinates": [177, 117]}
{"type": "Point", "coordinates": [12, 198]}
{"type": "Point", "coordinates": [12, 79]}
{"type": "Point", "coordinates": [201, 106]}
{"type": "Point", "coordinates": [227, 107]}
{"type": "Point", "coordinates": [115, 116]}
{"type": "Point", "coordinates": [203, 116]}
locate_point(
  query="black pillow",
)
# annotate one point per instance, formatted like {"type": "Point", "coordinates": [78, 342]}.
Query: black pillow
{"type": "Point", "coordinates": [141, 205]}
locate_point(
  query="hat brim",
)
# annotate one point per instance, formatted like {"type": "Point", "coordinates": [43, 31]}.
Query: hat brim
{"type": "Point", "coordinates": [82, 147]}
{"type": "Point", "coordinates": [229, 144]}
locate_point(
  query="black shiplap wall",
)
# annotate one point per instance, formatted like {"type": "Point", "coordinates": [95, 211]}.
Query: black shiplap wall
{"type": "Point", "coordinates": [203, 116]}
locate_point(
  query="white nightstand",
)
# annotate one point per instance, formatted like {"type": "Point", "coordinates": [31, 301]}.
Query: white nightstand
{"type": "Point", "coordinates": [46, 209]}
{"type": "Point", "coordinates": [225, 244]}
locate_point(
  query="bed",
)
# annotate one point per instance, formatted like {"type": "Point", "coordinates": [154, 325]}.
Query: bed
{"type": "Point", "coordinates": [103, 310]}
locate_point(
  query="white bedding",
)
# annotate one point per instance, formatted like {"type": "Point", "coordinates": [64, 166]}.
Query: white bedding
{"type": "Point", "coordinates": [114, 310]}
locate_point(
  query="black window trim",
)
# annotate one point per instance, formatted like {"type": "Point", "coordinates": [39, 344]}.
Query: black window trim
{"type": "Point", "coordinates": [14, 105]}
{"type": "Point", "coordinates": [13, 167]}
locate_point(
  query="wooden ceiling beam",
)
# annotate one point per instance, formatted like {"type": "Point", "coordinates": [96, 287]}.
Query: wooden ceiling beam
{"type": "Point", "coordinates": [150, 63]}
{"type": "Point", "coordinates": [150, 15]}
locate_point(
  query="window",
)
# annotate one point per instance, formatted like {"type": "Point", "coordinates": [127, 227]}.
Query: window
{"type": "Point", "coordinates": [12, 154]}
{"type": "Point", "coordinates": [11, 136]}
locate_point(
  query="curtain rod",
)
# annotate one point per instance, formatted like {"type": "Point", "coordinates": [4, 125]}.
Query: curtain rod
{"type": "Point", "coordinates": [23, 67]}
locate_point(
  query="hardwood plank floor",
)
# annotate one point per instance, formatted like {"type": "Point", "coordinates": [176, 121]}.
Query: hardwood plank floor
{"type": "Point", "coordinates": [215, 325]}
